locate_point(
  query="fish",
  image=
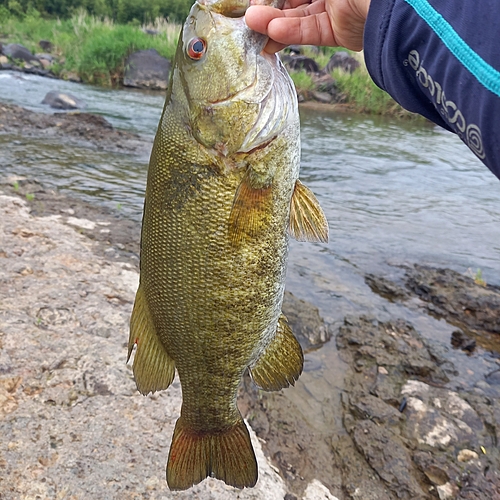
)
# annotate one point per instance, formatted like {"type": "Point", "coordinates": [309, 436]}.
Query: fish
{"type": "Point", "coordinates": [222, 198]}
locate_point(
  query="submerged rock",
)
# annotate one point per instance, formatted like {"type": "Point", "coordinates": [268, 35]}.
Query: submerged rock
{"type": "Point", "coordinates": [60, 100]}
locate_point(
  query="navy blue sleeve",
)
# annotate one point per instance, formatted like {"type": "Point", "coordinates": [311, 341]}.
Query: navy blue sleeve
{"type": "Point", "coordinates": [441, 59]}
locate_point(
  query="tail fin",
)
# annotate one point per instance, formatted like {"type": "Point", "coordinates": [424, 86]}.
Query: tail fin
{"type": "Point", "coordinates": [226, 455]}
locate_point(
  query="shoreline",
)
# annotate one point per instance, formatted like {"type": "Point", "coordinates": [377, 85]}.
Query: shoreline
{"type": "Point", "coordinates": [71, 414]}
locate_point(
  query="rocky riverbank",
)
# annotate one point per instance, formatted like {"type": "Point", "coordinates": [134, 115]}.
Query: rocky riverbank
{"type": "Point", "coordinates": [73, 426]}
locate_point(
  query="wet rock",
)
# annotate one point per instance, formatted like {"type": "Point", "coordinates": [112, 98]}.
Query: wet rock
{"type": "Point", "coordinates": [386, 453]}
{"type": "Point", "coordinates": [493, 378]}
{"type": "Point", "coordinates": [146, 69]}
{"type": "Point", "coordinates": [435, 436]}
{"type": "Point", "coordinates": [298, 63]}
{"type": "Point", "coordinates": [74, 127]}
{"type": "Point", "coordinates": [386, 288]}
{"type": "Point", "coordinates": [368, 344]}
{"type": "Point", "coordinates": [305, 322]}
{"type": "Point", "coordinates": [343, 61]}
{"type": "Point", "coordinates": [16, 51]}
{"type": "Point", "coordinates": [459, 340]}
{"type": "Point", "coordinates": [46, 45]}
{"type": "Point", "coordinates": [60, 100]}
{"type": "Point", "coordinates": [456, 298]}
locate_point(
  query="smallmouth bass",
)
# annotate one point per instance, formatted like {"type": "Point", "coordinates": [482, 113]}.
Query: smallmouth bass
{"type": "Point", "coordinates": [222, 196]}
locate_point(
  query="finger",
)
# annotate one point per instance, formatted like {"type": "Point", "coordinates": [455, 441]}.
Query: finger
{"type": "Point", "coordinates": [310, 30]}
{"type": "Point", "coordinates": [258, 17]}
{"type": "Point", "coordinates": [272, 47]}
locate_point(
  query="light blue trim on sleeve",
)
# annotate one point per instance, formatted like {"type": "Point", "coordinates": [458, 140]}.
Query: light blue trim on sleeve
{"type": "Point", "coordinates": [486, 74]}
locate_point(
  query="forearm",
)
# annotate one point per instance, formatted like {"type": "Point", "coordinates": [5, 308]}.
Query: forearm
{"type": "Point", "coordinates": [444, 66]}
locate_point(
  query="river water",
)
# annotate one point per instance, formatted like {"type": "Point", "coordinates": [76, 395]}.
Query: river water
{"type": "Point", "coordinates": [395, 193]}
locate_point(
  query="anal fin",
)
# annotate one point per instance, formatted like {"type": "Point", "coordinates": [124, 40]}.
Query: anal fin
{"type": "Point", "coordinates": [153, 368]}
{"type": "Point", "coordinates": [227, 455]}
{"type": "Point", "coordinates": [281, 363]}
{"type": "Point", "coordinates": [307, 219]}
{"type": "Point", "coordinates": [251, 211]}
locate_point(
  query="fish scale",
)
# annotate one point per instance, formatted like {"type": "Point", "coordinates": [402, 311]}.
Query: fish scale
{"type": "Point", "coordinates": [222, 185]}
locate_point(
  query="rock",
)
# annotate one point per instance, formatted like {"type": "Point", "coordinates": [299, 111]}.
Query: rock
{"type": "Point", "coordinates": [294, 50]}
{"type": "Point", "coordinates": [307, 64]}
{"type": "Point", "coordinates": [70, 76]}
{"type": "Point", "coordinates": [82, 223]}
{"type": "Point", "coordinates": [150, 32]}
{"type": "Point", "coordinates": [71, 419]}
{"type": "Point", "coordinates": [325, 83]}
{"type": "Point", "coordinates": [386, 288]}
{"type": "Point", "coordinates": [456, 298]}
{"type": "Point", "coordinates": [447, 491]}
{"type": "Point", "coordinates": [46, 64]}
{"type": "Point", "coordinates": [342, 60]}
{"type": "Point", "coordinates": [46, 45]}
{"type": "Point", "coordinates": [493, 378]}
{"type": "Point", "coordinates": [305, 322]}
{"type": "Point", "coordinates": [43, 55]}
{"type": "Point", "coordinates": [3, 60]}
{"type": "Point", "coordinates": [317, 491]}
{"type": "Point", "coordinates": [146, 69]}
{"type": "Point", "coordinates": [19, 52]}
{"type": "Point", "coordinates": [59, 100]}
{"type": "Point", "coordinates": [441, 419]}
{"type": "Point", "coordinates": [467, 455]}
{"type": "Point", "coordinates": [323, 97]}
{"type": "Point", "coordinates": [459, 340]}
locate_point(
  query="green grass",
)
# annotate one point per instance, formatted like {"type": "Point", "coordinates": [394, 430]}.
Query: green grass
{"type": "Point", "coordinates": [302, 80]}
{"type": "Point", "coordinates": [365, 97]}
{"type": "Point", "coordinates": [94, 48]}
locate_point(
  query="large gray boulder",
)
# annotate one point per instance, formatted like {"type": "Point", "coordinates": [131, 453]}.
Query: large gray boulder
{"type": "Point", "coordinates": [59, 100]}
{"type": "Point", "coordinates": [146, 69]}
{"type": "Point", "coordinates": [20, 52]}
{"type": "Point", "coordinates": [342, 60]}
{"type": "Point", "coordinates": [298, 63]}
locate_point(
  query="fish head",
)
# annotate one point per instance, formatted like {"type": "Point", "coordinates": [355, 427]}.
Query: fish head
{"type": "Point", "coordinates": [230, 87]}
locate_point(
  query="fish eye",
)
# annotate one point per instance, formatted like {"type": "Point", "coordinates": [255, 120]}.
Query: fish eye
{"type": "Point", "coordinates": [196, 48]}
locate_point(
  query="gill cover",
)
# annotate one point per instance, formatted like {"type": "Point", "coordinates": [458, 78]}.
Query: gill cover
{"type": "Point", "coordinates": [236, 94]}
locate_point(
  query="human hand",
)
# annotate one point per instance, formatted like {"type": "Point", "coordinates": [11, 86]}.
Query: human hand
{"type": "Point", "coordinates": [332, 23]}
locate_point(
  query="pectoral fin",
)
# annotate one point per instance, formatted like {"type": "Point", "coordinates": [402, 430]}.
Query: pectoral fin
{"type": "Point", "coordinates": [251, 211]}
{"type": "Point", "coordinates": [153, 368]}
{"type": "Point", "coordinates": [282, 361]}
{"type": "Point", "coordinates": [307, 219]}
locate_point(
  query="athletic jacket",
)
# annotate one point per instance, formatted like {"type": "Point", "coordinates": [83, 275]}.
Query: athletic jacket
{"type": "Point", "coordinates": [441, 59]}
